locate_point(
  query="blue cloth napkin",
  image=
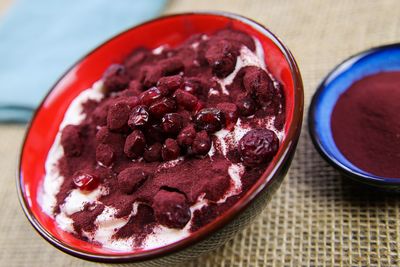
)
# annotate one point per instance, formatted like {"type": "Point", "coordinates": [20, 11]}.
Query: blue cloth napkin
{"type": "Point", "coordinates": [41, 39]}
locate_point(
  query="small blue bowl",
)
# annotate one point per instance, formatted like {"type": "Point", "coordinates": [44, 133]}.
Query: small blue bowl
{"type": "Point", "coordinates": [379, 59]}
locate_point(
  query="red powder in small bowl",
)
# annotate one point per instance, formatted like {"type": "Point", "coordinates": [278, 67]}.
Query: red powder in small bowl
{"type": "Point", "coordinates": [365, 124]}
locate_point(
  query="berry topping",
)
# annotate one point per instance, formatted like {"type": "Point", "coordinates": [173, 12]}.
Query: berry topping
{"type": "Point", "coordinates": [246, 105]}
{"type": "Point", "coordinates": [171, 123]}
{"type": "Point", "coordinates": [258, 146]}
{"type": "Point", "coordinates": [150, 75]}
{"type": "Point", "coordinates": [85, 181]}
{"type": "Point", "coordinates": [132, 101]}
{"type": "Point", "coordinates": [185, 99]}
{"type": "Point", "coordinates": [139, 117]}
{"type": "Point", "coordinates": [186, 136]}
{"type": "Point", "coordinates": [258, 84]}
{"type": "Point", "coordinates": [71, 141]}
{"type": "Point", "coordinates": [134, 144]}
{"type": "Point", "coordinates": [170, 84]}
{"type": "Point", "coordinates": [130, 179]}
{"type": "Point", "coordinates": [150, 96]}
{"type": "Point", "coordinates": [118, 115]}
{"type": "Point", "coordinates": [201, 143]}
{"type": "Point", "coordinates": [105, 154]}
{"type": "Point", "coordinates": [135, 88]}
{"type": "Point", "coordinates": [230, 111]}
{"type": "Point", "coordinates": [137, 57]}
{"type": "Point", "coordinates": [161, 107]}
{"type": "Point", "coordinates": [171, 209]}
{"type": "Point", "coordinates": [170, 150]}
{"type": "Point", "coordinates": [154, 133]}
{"type": "Point", "coordinates": [210, 119]}
{"type": "Point", "coordinates": [237, 37]}
{"type": "Point", "coordinates": [171, 66]}
{"type": "Point", "coordinates": [222, 58]}
{"type": "Point", "coordinates": [99, 115]}
{"type": "Point", "coordinates": [115, 78]}
{"type": "Point", "coordinates": [153, 153]}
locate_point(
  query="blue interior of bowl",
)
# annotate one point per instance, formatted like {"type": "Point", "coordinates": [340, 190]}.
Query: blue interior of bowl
{"type": "Point", "coordinates": [381, 59]}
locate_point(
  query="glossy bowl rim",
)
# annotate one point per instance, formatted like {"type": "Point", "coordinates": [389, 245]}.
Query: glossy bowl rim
{"type": "Point", "coordinates": [268, 177]}
{"type": "Point", "coordinates": [369, 179]}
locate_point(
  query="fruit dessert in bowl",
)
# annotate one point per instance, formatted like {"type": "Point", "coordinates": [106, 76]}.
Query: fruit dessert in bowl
{"type": "Point", "coordinates": [164, 141]}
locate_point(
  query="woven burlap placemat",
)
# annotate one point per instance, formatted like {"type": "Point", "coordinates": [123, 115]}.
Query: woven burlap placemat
{"type": "Point", "coordinates": [317, 218]}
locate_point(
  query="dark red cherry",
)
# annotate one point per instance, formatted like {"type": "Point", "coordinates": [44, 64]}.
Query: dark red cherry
{"type": "Point", "coordinates": [150, 96]}
{"type": "Point", "coordinates": [139, 116]}
{"type": "Point", "coordinates": [85, 181]}
{"type": "Point", "coordinates": [168, 85]}
{"type": "Point", "coordinates": [230, 111]}
{"type": "Point", "coordinates": [161, 107]}
{"type": "Point", "coordinates": [246, 105]}
{"type": "Point", "coordinates": [134, 144]}
{"type": "Point", "coordinates": [170, 150]}
{"type": "Point", "coordinates": [171, 123]}
{"type": "Point", "coordinates": [201, 143]}
{"type": "Point", "coordinates": [186, 100]}
{"type": "Point", "coordinates": [186, 136]}
{"type": "Point", "coordinates": [171, 209]}
{"type": "Point", "coordinates": [258, 146]}
{"type": "Point", "coordinates": [210, 120]}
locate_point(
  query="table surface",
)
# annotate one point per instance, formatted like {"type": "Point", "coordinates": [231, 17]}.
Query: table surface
{"type": "Point", "coordinates": [317, 218]}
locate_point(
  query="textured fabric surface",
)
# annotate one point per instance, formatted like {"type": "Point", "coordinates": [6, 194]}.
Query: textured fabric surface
{"type": "Point", "coordinates": [316, 218]}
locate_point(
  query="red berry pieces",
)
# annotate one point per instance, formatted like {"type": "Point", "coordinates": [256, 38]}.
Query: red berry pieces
{"type": "Point", "coordinates": [153, 153]}
{"type": "Point", "coordinates": [135, 88]}
{"type": "Point", "coordinates": [150, 75]}
{"type": "Point", "coordinates": [163, 106]}
{"type": "Point", "coordinates": [139, 117]}
{"type": "Point", "coordinates": [99, 115]}
{"type": "Point", "coordinates": [71, 141]}
{"type": "Point", "coordinates": [201, 143]}
{"type": "Point", "coordinates": [115, 78]}
{"type": "Point", "coordinates": [131, 100]}
{"type": "Point", "coordinates": [221, 56]}
{"type": "Point", "coordinates": [210, 119]}
{"type": "Point", "coordinates": [258, 146]}
{"type": "Point", "coordinates": [105, 154]}
{"type": "Point", "coordinates": [170, 84]}
{"type": "Point", "coordinates": [246, 105]}
{"type": "Point", "coordinates": [134, 144]}
{"type": "Point", "coordinates": [237, 37]}
{"type": "Point", "coordinates": [186, 136]}
{"type": "Point", "coordinates": [171, 209]}
{"type": "Point", "coordinates": [171, 123]}
{"type": "Point", "coordinates": [154, 133]}
{"type": "Point", "coordinates": [150, 96]}
{"type": "Point", "coordinates": [130, 179]}
{"type": "Point", "coordinates": [170, 150]}
{"type": "Point", "coordinates": [185, 99]}
{"type": "Point", "coordinates": [230, 111]}
{"type": "Point", "coordinates": [85, 181]}
{"type": "Point", "coordinates": [137, 57]}
{"type": "Point", "coordinates": [118, 115]}
{"type": "Point", "coordinates": [258, 84]}
{"type": "Point", "coordinates": [171, 66]}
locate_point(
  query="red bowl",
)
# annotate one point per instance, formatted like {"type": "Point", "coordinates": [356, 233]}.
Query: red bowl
{"type": "Point", "coordinates": [170, 30]}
